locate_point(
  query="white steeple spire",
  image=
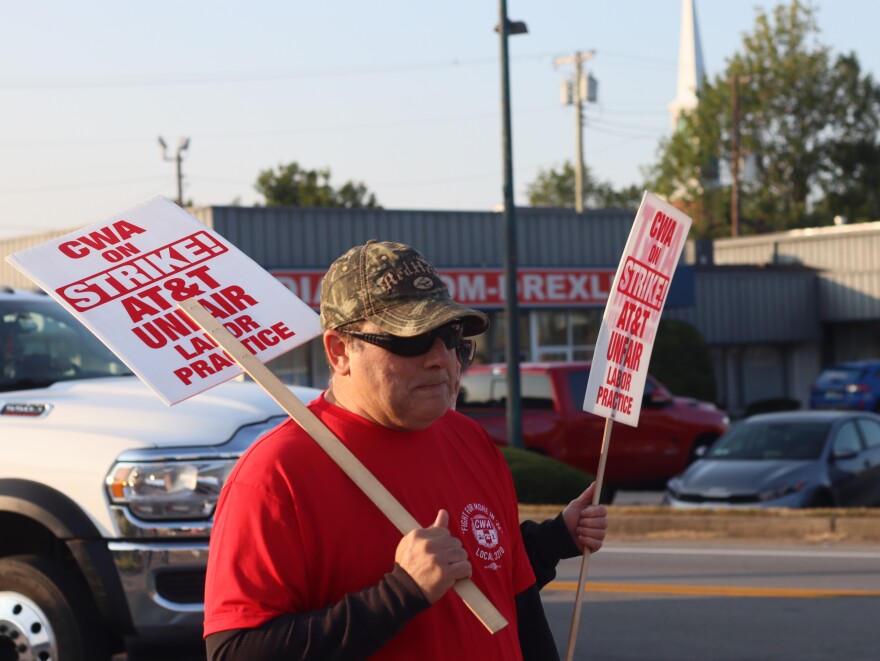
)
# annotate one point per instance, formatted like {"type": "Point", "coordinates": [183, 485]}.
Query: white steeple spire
{"type": "Point", "coordinates": [690, 64]}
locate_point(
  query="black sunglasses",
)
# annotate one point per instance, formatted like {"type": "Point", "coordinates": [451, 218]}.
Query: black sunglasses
{"type": "Point", "coordinates": [419, 345]}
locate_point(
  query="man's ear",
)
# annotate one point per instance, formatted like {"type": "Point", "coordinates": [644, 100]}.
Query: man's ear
{"type": "Point", "coordinates": [337, 351]}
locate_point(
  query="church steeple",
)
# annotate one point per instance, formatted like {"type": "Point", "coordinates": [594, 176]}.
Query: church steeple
{"type": "Point", "coordinates": [690, 64]}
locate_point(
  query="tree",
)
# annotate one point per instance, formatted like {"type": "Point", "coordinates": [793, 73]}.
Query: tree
{"type": "Point", "coordinates": [808, 127]}
{"type": "Point", "coordinates": [293, 186]}
{"type": "Point", "coordinates": [556, 188]}
{"type": "Point", "coordinates": [681, 360]}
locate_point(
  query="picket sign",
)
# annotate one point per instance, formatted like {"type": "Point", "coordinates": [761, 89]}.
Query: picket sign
{"type": "Point", "coordinates": [479, 604]}
{"type": "Point", "coordinates": [122, 278]}
{"type": "Point", "coordinates": [626, 338]}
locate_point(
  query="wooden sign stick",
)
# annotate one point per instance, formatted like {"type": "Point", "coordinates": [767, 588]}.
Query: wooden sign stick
{"type": "Point", "coordinates": [479, 604]}
{"type": "Point", "coordinates": [585, 560]}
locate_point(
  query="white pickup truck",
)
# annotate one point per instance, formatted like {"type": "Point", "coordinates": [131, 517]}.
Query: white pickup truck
{"type": "Point", "coordinates": [107, 495]}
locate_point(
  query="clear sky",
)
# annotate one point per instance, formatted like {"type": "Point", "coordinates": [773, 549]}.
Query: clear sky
{"type": "Point", "coordinates": [403, 96]}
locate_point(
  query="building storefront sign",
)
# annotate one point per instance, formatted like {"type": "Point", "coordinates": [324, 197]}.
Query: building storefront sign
{"type": "Point", "coordinates": [484, 288]}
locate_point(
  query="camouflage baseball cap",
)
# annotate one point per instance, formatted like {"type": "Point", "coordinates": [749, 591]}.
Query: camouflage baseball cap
{"type": "Point", "coordinates": [396, 288]}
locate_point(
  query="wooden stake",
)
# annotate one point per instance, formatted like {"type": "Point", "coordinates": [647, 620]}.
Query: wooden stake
{"type": "Point", "coordinates": [585, 560]}
{"type": "Point", "coordinates": [479, 604]}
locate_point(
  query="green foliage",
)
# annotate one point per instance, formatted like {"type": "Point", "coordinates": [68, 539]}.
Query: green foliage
{"type": "Point", "coordinates": [540, 480]}
{"type": "Point", "coordinates": [680, 360]}
{"type": "Point", "coordinates": [556, 188]}
{"type": "Point", "coordinates": [293, 186]}
{"type": "Point", "coordinates": [808, 127]}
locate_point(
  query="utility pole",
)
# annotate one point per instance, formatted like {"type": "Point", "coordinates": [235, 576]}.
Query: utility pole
{"type": "Point", "coordinates": [576, 93]}
{"type": "Point", "coordinates": [514, 399]}
{"type": "Point", "coordinates": [182, 146]}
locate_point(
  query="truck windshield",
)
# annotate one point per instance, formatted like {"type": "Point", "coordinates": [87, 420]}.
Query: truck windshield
{"type": "Point", "coordinates": [41, 343]}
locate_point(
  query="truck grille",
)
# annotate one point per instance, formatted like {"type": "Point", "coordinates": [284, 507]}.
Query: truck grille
{"type": "Point", "coordinates": [182, 586]}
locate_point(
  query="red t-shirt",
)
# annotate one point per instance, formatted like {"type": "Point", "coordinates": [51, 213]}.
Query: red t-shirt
{"type": "Point", "coordinates": [293, 534]}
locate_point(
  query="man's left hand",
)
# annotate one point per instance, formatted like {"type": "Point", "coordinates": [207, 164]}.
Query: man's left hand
{"type": "Point", "coordinates": [586, 522]}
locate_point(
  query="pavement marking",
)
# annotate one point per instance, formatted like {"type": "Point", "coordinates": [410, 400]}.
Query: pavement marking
{"type": "Point", "coordinates": [768, 553]}
{"type": "Point", "coordinates": [709, 590]}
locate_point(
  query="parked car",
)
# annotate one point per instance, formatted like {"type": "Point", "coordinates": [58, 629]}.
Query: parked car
{"type": "Point", "coordinates": [107, 495]}
{"type": "Point", "coordinates": [670, 429]}
{"type": "Point", "coordinates": [852, 385]}
{"type": "Point", "coordinates": [788, 459]}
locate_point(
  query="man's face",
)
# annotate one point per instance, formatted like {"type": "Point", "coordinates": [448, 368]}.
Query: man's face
{"type": "Point", "coordinates": [398, 392]}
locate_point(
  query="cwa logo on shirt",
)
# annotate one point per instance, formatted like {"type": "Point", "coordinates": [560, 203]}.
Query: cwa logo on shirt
{"type": "Point", "coordinates": [486, 529]}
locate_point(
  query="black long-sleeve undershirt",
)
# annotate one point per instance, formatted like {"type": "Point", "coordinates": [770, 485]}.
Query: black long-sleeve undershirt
{"type": "Point", "coordinates": [353, 628]}
{"type": "Point", "coordinates": [547, 543]}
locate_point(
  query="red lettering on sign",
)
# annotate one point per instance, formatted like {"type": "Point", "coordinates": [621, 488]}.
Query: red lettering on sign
{"type": "Point", "coordinates": [632, 319]}
{"type": "Point", "coordinates": [614, 400]}
{"type": "Point", "coordinates": [100, 239]}
{"type": "Point", "coordinates": [642, 283]}
{"type": "Point", "coordinates": [618, 378]}
{"type": "Point", "coordinates": [624, 350]}
{"type": "Point", "coordinates": [662, 228]}
{"type": "Point", "coordinates": [204, 367]}
{"type": "Point", "coordinates": [195, 346]}
{"type": "Point", "coordinates": [141, 272]}
{"type": "Point", "coordinates": [174, 325]}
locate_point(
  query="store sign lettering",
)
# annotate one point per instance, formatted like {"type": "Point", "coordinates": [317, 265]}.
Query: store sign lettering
{"type": "Point", "coordinates": [485, 288]}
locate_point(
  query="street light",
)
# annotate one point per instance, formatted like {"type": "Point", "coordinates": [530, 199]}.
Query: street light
{"type": "Point", "coordinates": [182, 146]}
{"type": "Point", "coordinates": [514, 409]}
{"type": "Point", "coordinates": [514, 27]}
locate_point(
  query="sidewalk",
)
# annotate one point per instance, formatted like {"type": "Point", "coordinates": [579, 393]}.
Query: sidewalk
{"type": "Point", "coordinates": [627, 522]}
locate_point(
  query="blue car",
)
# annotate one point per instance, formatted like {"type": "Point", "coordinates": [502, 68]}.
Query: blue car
{"type": "Point", "coordinates": [790, 459]}
{"type": "Point", "coordinates": [853, 385]}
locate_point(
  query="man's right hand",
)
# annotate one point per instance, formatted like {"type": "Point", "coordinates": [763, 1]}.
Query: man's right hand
{"type": "Point", "coordinates": [433, 558]}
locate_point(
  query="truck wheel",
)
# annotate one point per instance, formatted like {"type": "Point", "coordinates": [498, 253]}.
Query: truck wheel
{"type": "Point", "coordinates": [45, 611]}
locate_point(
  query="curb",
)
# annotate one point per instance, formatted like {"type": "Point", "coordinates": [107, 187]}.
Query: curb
{"type": "Point", "coordinates": [629, 523]}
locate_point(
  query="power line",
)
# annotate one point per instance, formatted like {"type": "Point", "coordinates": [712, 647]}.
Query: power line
{"type": "Point", "coordinates": [302, 130]}
{"type": "Point", "coordinates": [225, 77]}
{"type": "Point", "coordinates": [93, 184]}
{"type": "Point", "coordinates": [87, 142]}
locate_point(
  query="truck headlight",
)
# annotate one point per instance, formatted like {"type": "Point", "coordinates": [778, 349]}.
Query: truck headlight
{"type": "Point", "coordinates": [169, 490]}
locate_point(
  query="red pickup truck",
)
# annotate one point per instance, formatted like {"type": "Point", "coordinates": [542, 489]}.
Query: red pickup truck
{"type": "Point", "coordinates": [554, 423]}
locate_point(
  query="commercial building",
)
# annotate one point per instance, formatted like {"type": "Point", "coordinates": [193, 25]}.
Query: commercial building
{"type": "Point", "coordinates": [773, 309]}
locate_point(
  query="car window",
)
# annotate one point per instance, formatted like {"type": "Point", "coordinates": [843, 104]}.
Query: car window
{"type": "Point", "coordinates": [537, 391]}
{"type": "Point", "coordinates": [778, 440]}
{"type": "Point", "coordinates": [41, 343]}
{"type": "Point", "coordinates": [870, 432]}
{"type": "Point", "coordinates": [482, 391]}
{"type": "Point", "coordinates": [577, 387]}
{"type": "Point", "coordinates": [839, 375]}
{"type": "Point", "coordinates": [846, 441]}
{"type": "Point", "coordinates": [490, 391]}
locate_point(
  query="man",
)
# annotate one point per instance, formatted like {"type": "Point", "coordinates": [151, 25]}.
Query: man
{"type": "Point", "coordinates": [303, 566]}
